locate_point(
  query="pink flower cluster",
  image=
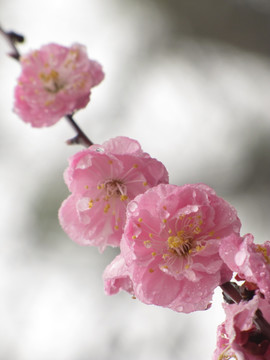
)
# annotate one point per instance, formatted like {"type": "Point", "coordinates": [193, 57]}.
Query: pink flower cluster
{"type": "Point", "coordinates": [177, 243]}
{"type": "Point", "coordinates": [55, 81]}
{"type": "Point", "coordinates": [169, 235]}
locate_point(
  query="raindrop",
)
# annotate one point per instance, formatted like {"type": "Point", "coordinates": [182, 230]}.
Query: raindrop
{"type": "Point", "coordinates": [100, 150]}
{"type": "Point", "coordinates": [132, 207]}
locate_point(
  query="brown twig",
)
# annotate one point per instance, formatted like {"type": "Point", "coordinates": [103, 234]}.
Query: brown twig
{"type": "Point", "coordinates": [12, 38]}
{"type": "Point", "coordinates": [80, 138]}
{"type": "Point", "coordinates": [231, 291]}
{"type": "Point", "coordinates": [262, 324]}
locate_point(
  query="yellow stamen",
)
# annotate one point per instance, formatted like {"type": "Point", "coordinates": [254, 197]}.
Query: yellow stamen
{"type": "Point", "coordinates": [48, 102]}
{"type": "Point", "coordinates": [147, 243]}
{"type": "Point", "coordinates": [263, 251]}
{"type": "Point", "coordinates": [199, 248]}
{"type": "Point", "coordinates": [53, 75]}
{"type": "Point", "coordinates": [174, 242]}
{"type": "Point", "coordinates": [197, 230]}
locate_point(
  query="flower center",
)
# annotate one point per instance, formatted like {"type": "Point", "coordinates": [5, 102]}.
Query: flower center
{"type": "Point", "coordinates": [115, 188]}
{"type": "Point", "coordinates": [180, 244]}
{"type": "Point", "coordinates": [51, 81]}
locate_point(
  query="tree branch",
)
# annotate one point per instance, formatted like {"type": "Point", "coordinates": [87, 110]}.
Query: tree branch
{"type": "Point", "coordinates": [12, 38]}
{"type": "Point", "coordinates": [80, 138]}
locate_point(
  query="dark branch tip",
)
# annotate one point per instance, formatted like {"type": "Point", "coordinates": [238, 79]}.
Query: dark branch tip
{"type": "Point", "coordinates": [74, 140]}
{"type": "Point", "coordinates": [14, 37]}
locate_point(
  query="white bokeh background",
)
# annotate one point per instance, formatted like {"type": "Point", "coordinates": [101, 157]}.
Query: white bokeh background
{"type": "Point", "coordinates": [200, 107]}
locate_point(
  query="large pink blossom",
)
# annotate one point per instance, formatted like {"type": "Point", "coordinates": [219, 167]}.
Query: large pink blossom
{"type": "Point", "coordinates": [237, 337]}
{"type": "Point", "coordinates": [55, 81]}
{"type": "Point", "coordinates": [170, 246]}
{"type": "Point", "coordinates": [103, 179]}
{"type": "Point", "coordinates": [251, 261]}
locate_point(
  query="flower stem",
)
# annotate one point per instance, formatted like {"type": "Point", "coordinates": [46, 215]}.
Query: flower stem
{"type": "Point", "coordinates": [231, 291]}
{"type": "Point", "coordinates": [80, 138]}
{"type": "Point", "coordinates": [262, 324]}
{"type": "Point", "coordinates": [12, 38]}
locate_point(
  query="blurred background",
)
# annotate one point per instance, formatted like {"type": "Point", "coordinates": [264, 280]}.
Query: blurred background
{"type": "Point", "coordinates": [190, 80]}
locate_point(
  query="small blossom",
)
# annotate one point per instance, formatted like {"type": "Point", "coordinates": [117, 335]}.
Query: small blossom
{"type": "Point", "coordinates": [116, 277]}
{"type": "Point", "coordinates": [251, 261]}
{"type": "Point", "coordinates": [170, 245]}
{"type": "Point", "coordinates": [237, 337]}
{"type": "Point", "coordinates": [55, 81]}
{"type": "Point", "coordinates": [103, 179]}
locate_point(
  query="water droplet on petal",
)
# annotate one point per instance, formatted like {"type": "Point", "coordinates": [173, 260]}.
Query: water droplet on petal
{"type": "Point", "coordinates": [83, 204]}
{"type": "Point", "coordinates": [99, 149]}
{"type": "Point", "coordinates": [132, 207]}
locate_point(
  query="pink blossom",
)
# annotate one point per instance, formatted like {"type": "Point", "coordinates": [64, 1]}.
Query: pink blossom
{"type": "Point", "coordinates": [170, 245]}
{"type": "Point", "coordinates": [251, 261]}
{"type": "Point", "coordinates": [238, 338]}
{"type": "Point", "coordinates": [55, 81]}
{"type": "Point", "coordinates": [103, 179]}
